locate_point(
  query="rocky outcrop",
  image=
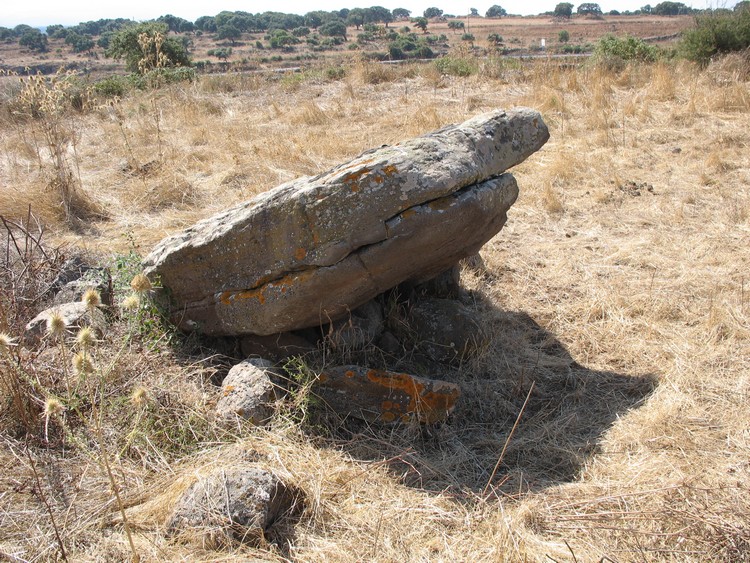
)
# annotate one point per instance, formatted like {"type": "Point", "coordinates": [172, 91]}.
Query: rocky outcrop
{"type": "Point", "coordinates": [310, 251]}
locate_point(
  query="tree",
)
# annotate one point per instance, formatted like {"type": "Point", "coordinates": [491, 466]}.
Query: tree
{"type": "Point", "coordinates": [421, 23]}
{"type": "Point", "coordinates": [496, 12]}
{"type": "Point", "coordinates": [334, 28]}
{"type": "Point", "coordinates": [56, 31]}
{"type": "Point", "coordinates": [206, 23]}
{"type": "Point", "coordinates": [401, 13]}
{"type": "Point", "coordinates": [455, 25]}
{"type": "Point", "coordinates": [282, 39]}
{"type": "Point", "coordinates": [563, 36]}
{"type": "Point", "coordinates": [588, 8]}
{"type": "Point", "coordinates": [670, 9]}
{"type": "Point", "coordinates": [738, 7]}
{"type": "Point", "coordinates": [79, 43]}
{"type": "Point", "coordinates": [104, 40]}
{"type": "Point", "coordinates": [646, 9]}
{"type": "Point", "coordinates": [379, 14]}
{"type": "Point", "coordinates": [473, 12]}
{"type": "Point", "coordinates": [314, 19]}
{"type": "Point", "coordinates": [145, 46]}
{"type": "Point", "coordinates": [432, 13]}
{"type": "Point", "coordinates": [228, 31]}
{"type": "Point", "coordinates": [34, 40]}
{"type": "Point", "coordinates": [564, 10]}
{"type": "Point", "coordinates": [356, 17]}
{"type": "Point", "coordinates": [173, 22]}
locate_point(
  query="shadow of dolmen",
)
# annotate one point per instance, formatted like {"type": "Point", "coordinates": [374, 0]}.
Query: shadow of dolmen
{"type": "Point", "coordinates": [524, 378]}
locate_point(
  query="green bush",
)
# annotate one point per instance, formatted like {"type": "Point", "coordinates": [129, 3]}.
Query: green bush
{"type": "Point", "coordinates": [112, 86]}
{"type": "Point", "coordinates": [456, 66]}
{"type": "Point", "coordinates": [146, 46]}
{"type": "Point", "coordinates": [612, 50]}
{"type": "Point", "coordinates": [715, 33]}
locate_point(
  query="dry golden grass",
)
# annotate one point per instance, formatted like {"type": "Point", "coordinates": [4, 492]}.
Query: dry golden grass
{"type": "Point", "coordinates": [619, 288]}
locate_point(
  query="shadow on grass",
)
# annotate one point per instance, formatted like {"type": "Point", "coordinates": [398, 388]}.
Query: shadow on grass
{"type": "Point", "coordinates": [569, 410]}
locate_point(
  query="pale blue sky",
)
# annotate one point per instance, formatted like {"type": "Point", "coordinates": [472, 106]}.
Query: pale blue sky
{"type": "Point", "coordinates": [69, 12]}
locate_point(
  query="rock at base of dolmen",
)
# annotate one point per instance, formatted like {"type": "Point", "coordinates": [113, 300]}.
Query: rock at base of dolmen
{"type": "Point", "coordinates": [385, 396]}
{"type": "Point", "coordinates": [310, 251]}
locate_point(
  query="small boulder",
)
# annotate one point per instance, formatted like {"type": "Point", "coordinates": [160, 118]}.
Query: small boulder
{"type": "Point", "coordinates": [385, 396]}
{"type": "Point", "coordinates": [248, 391]}
{"type": "Point", "coordinates": [243, 504]}
{"type": "Point", "coordinates": [74, 290]}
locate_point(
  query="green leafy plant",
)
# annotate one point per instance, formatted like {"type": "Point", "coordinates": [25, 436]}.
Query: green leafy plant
{"type": "Point", "coordinates": [715, 33]}
{"type": "Point", "coordinates": [146, 47]}
{"type": "Point", "coordinates": [613, 50]}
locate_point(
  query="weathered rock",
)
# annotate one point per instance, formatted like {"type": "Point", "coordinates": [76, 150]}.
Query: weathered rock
{"type": "Point", "coordinates": [277, 347]}
{"type": "Point", "coordinates": [240, 503]}
{"type": "Point", "coordinates": [74, 290]}
{"type": "Point", "coordinates": [76, 315]}
{"type": "Point", "coordinates": [443, 329]}
{"type": "Point", "coordinates": [362, 327]}
{"type": "Point", "coordinates": [446, 285]}
{"type": "Point", "coordinates": [316, 248]}
{"type": "Point", "coordinates": [248, 391]}
{"type": "Point", "coordinates": [385, 396]}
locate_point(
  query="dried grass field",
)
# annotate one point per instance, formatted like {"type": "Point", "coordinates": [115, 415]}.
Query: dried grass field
{"type": "Point", "coordinates": [617, 299]}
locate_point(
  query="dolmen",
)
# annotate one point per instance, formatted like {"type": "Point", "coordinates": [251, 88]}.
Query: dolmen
{"type": "Point", "coordinates": [310, 252]}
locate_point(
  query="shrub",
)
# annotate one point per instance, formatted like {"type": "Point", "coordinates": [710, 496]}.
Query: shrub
{"type": "Point", "coordinates": [716, 33]}
{"type": "Point", "coordinates": [146, 46]}
{"type": "Point", "coordinates": [111, 87]}
{"type": "Point", "coordinates": [563, 36]}
{"type": "Point", "coordinates": [611, 49]}
{"type": "Point", "coordinates": [456, 65]}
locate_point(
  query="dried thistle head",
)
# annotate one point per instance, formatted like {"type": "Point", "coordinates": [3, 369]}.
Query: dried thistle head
{"type": "Point", "coordinates": [56, 325]}
{"type": "Point", "coordinates": [86, 337]}
{"type": "Point", "coordinates": [140, 284]}
{"type": "Point", "coordinates": [82, 364]}
{"type": "Point", "coordinates": [6, 343]}
{"type": "Point", "coordinates": [131, 302]}
{"type": "Point", "coordinates": [91, 298]}
{"type": "Point", "coordinates": [139, 396]}
{"type": "Point", "coordinates": [53, 407]}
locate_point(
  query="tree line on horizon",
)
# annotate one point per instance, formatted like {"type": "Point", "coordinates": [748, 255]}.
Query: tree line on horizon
{"type": "Point", "coordinates": [231, 25]}
{"type": "Point", "coordinates": [719, 30]}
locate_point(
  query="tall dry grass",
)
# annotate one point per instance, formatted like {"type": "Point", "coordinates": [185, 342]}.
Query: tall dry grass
{"type": "Point", "coordinates": [618, 290]}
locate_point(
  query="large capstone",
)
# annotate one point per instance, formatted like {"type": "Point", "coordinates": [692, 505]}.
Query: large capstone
{"type": "Point", "coordinates": [310, 251]}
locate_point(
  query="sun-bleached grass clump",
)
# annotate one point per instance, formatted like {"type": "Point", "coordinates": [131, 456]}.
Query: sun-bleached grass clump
{"type": "Point", "coordinates": [616, 299]}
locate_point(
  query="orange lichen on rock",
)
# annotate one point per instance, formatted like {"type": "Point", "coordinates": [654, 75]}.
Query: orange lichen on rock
{"type": "Point", "coordinates": [428, 406]}
{"type": "Point", "coordinates": [384, 396]}
{"type": "Point", "coordinates": [281, 285]}
{"type": "Point", "coordinates": [300, 253]}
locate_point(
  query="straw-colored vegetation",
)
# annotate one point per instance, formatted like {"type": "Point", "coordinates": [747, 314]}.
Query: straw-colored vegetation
{"type": "Point", "coordinates": [617, 300]}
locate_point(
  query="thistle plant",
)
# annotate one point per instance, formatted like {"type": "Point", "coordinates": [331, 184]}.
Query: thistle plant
{"type": "Point", "coordinates": [41, 108]}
